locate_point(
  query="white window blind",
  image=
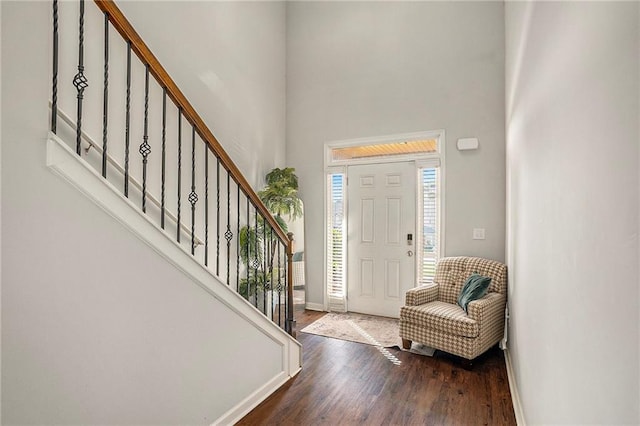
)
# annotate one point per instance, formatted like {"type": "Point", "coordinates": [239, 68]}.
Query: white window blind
{"type": "Point", "coordinates": [430, 220]}
{"type": "Point", "coordinates": [336, 242]}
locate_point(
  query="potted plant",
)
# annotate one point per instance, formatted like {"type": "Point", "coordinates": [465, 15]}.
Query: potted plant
{"type": "Point", "coordinates": [280, 196]}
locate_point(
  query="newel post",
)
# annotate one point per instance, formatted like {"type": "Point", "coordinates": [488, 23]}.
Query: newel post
{"type": "Point", "coordinates": [290, 323]}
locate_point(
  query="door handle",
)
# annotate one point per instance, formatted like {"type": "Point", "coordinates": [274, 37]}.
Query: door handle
{"type": "Point", "coordinates": [409, 253]}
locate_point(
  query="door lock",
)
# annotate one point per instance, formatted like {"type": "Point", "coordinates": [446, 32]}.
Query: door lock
{"type": "Point", "coordinates": [409, 253]}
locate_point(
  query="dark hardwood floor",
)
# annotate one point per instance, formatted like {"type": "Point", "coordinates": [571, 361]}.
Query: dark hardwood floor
{"type": "Point", "coordinates": [346, 383]}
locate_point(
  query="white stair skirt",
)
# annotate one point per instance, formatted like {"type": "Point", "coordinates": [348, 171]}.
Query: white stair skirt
{"type": "Point", "coordinates": [65, 163]}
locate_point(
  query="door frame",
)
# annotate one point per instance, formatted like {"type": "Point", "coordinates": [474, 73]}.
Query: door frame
{"type": "Point", "coordinates": [420, 160]}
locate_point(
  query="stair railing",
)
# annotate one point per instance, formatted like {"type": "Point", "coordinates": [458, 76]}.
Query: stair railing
{"type": "Point", "coordinates": [263, 252]}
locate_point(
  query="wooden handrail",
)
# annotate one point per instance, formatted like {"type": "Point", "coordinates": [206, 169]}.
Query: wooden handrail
{"type": "Point", "coordinates": [139, 47]}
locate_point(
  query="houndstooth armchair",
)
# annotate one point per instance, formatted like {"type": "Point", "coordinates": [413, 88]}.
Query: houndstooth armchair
{"type": "Point", "coordinates": [432, 316]}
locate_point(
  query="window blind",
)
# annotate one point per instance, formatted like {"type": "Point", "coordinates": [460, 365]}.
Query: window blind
{"type": "Point", "coordinates": [430, 242]}
{"type": "Point", "coordinates": [336, 242]}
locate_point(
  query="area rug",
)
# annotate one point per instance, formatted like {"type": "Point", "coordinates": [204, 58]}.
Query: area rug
{"type": "Point", "coordinates": [367, 329]}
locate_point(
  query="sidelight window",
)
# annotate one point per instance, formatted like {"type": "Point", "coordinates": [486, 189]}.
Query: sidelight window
{"type": "Point", "coordinates": [429, 238]}
{"type": "Point", "coordinates": [336, 241]}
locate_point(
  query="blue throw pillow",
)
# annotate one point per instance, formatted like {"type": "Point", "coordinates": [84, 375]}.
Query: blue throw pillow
{"type": "Point", "coordinates": [474, 288]}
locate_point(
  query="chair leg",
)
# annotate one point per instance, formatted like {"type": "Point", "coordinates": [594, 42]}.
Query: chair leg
{"type": "Point", "coordinates": [406, 344]}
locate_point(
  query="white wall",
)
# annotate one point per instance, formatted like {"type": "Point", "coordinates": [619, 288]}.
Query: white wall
{"type": "Point", "coordinates": [572, 157]}
{"type": "Point", "coordinates": [358, 69]}
{"type": "Point", "coordinates": [96, 327]}
{"type": "Point", "coordinates": [228, 58]}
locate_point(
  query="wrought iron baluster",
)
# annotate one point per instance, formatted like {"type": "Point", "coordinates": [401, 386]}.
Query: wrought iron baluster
{"type": "Point", "coordinates": [127, 122]}
{"type": "Point", "coordinates": [279, 288]}
{"type": "Point", "coordinates": [271, 270]}
{"type": "Point", "coordinates": [193, 197]}
{"type": "Point", "coordinates": [145, 149]}
{"type": "Point", "coordinates": [164, 156]}
{"type": "Point", "coordinates": [218, 216]}
{"type": "Point", "coordinates": [79, 80]}
{"type": "Point", "coordinates": [238, 241]}
{"type": "Point", "coordinates": [228, 234]}
{"type": "Point", "coordinates": [54, 81]}
{"type": "Point", "coordinates": [178, 223]}
{"type": "Point", "coordinates": [264, 264]}
{"type": "Point", "coordinates": [248, 266]}
{"type": "Point", "coordinates": [206, 205]}
{"type": "Point", "coordinates": [256, 262]}
{"type": "Point", "coordinates": [286, 288]}
{"type": "Point", "coordinates": [105, 95]}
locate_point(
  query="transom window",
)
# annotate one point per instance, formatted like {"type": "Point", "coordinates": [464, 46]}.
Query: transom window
{"type": "Point", "coordinates": [383, 150]}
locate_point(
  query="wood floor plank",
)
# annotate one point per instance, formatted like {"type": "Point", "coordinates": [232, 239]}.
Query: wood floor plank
{"type": "Point", "coordinates": [348, 383]}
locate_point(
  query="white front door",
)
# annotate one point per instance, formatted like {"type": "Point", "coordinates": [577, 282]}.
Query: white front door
{"type": "Point", "coordinates": [381, 221]}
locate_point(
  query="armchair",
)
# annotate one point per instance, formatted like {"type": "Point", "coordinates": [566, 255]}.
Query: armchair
{"type": "Point", "coordinates": [432, 316]}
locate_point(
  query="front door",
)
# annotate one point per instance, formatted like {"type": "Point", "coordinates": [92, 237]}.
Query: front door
{"type": "Point", "coordinates": [381, 237]}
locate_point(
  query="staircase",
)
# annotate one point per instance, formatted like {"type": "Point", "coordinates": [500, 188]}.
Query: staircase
{"type": "Point", "coordinates": [149, 161]}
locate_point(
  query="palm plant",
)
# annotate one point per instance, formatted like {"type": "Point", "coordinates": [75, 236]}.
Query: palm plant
{"type": "Point", "coordinates": [280, 196]}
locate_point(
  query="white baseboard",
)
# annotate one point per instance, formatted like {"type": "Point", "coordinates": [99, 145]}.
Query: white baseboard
{"type": "Point", "coordinates": [314, 306]}
{"type": "Point", "coordinates": [252, 401]}
{"type": "Point", "coordinates": [515, 395]}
